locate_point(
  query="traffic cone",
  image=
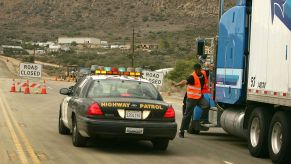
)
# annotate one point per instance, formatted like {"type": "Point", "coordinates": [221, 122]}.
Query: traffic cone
{"type": "Point", "coordinates": [27, 90]}
{"type": "Point", "coordinates": [43, 89]}
{"type": "Point", "coordinates": [13, 89]}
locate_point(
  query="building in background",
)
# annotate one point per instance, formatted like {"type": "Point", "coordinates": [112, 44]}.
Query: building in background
{"type": "Point", "coordinates": [79, 40]}
{"type": "Point", "coordinates": [54, 48]}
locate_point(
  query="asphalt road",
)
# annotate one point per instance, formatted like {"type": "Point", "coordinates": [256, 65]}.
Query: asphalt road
{"type": "Point", "coordinates": [29, 134]}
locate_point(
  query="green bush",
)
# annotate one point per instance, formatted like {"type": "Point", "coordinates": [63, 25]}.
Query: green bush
{"type": "Point", "coordinates": [29, 59]}
{"type": "Point", "coordinates": [145, 18]}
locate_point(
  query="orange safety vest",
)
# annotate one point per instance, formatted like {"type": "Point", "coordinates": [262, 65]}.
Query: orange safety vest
{"type": "Point", "coordinates": [194, 91]}
{"type": "Point", "coordinates": [205, 88]}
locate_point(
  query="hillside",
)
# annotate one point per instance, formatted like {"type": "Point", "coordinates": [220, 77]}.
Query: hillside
{"type": "Point", "coordinates": [107, 19]}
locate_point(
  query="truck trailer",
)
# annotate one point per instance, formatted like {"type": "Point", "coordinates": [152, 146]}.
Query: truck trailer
{"type": "Point", "coordinates": [253, 76]}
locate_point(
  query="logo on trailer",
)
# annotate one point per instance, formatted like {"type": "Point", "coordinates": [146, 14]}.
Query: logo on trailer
{"type": "Point", "coordinates": [282, 9]}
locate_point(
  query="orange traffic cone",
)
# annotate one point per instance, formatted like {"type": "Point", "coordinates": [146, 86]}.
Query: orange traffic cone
{"type": "Point", "coordinates": [13, 89]}
{"type": "Point", "coordinates": [27, 90]}
{"type": "Point", "coordinates": [43, 89]}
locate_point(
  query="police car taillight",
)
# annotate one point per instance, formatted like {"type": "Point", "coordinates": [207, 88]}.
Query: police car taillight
{"type": "Point", "coordinates": [170, 113]}
{"type": "Point", "coordinates": [94, 110]}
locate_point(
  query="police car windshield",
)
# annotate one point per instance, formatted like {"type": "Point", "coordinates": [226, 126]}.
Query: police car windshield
{"type": "Point", "coordinates": [122, 88]}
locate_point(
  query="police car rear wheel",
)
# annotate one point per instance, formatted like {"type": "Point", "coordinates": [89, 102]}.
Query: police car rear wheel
{"type": "Point", "coordinates": [160, 144]}
{"type": "Point", "coordinates": [78, 140]}
{"type": "Point", "coordinates": [62, 128]}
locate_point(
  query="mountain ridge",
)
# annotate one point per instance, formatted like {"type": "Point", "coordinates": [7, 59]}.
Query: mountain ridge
{"type": "Point", "coordinates": [108, 19]}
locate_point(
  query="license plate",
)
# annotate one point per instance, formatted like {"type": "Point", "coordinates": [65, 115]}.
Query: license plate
{"type": "Point", "coordinates": [130, 130]}
{"type": "Point", "coordinates": [131, 114]}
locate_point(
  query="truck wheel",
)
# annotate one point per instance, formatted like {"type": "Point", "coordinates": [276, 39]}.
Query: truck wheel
{"type": "Point", "coordinates": [258, 128]}
{"type": "Point", "coordinates": [161, 144]}
{"type": "Point", "coordinates": [62, 128]}
{"type": "Point", "coordinates": [78, 140]}
{"type": "Point", "coordinates": [280, 138]}
{"type": "Point", "coordinates": [191, 129]}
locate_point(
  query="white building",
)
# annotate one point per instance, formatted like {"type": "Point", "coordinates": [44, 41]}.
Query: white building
{"type": "Point", "coordinates": [54, 48]}
{"type": "Point", "coordinates": [78, 40]}
{"type": "Point", "coordinates": [103, 42]}
{"type": "Point", "coordinates": [114, 46]}
{"type": "Point", "coordinates": [125, 47]}
{"type": "Point", "coordinates": [65, 48]}
{"type": "Point", "coordinates": [12, 47]}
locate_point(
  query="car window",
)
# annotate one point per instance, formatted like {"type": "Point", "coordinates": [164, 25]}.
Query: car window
{"type": "Point", "coordinates": [122, 88]}
{"type": "Point", "coordinates": [79, 87]}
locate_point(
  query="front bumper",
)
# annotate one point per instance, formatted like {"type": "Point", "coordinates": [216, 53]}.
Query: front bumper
{"type": "Point", "coordinates": [116, 128]}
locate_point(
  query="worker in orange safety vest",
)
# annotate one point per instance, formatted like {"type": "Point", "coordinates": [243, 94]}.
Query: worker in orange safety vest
{"type": "Point", "coordinates": [197, 85]}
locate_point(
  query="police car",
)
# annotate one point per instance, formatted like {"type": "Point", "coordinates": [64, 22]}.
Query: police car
{"type": "Point", "coordinates": [116, 105]}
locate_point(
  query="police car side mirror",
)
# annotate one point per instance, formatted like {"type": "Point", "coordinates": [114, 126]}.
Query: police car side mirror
{"type": "Point", "coordinates": [65, 91]}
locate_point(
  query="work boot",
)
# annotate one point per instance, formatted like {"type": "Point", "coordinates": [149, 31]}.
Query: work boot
{"type": "Point", "coordinates": [181, 134]}
{"type": "Point", "coordinates": [205, 122]}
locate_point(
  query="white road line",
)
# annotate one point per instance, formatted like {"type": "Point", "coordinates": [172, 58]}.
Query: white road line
{"type": "Point", "coordinates": [18, 146]}
{"type": "Point", "coordinates": [226, 162]}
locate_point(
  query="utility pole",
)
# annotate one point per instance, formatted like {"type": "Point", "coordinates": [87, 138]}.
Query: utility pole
{"type": "Point", "coordinates": [132, 56]}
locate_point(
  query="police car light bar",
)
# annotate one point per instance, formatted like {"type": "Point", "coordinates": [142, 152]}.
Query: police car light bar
{"type": "Point", "coordinates": [117, 71]}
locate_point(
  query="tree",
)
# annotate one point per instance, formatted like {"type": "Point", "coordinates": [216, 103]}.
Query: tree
{"type": "Point", "coordinates": [74, 44]}
{"type": "Point", "coordinates": [29, 59]}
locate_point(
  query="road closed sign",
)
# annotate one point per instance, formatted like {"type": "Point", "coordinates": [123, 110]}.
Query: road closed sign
{"type": "Point", "coordinates": [30, 70]}
{"type": "Point", "coordinates": [155, 78]}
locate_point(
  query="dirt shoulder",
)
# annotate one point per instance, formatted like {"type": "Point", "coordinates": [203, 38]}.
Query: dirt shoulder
{"type": "Point", "coordinates": [13, 65]}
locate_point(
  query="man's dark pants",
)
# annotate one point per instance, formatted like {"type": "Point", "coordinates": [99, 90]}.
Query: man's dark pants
{"type": "Point", "coordinates": [190, 105]}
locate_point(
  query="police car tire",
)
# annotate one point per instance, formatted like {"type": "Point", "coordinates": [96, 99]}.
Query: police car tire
{"type": "Point", "coordinates": [62, 128]}
{"type": "Point", "coordinates": [77, 139]}
{"type": "Point", "coordinates": [283, 156]}
{"type": "Point", "coordinates": [264, 116]}
{"type": "Point", "coordinates": [160, 144]}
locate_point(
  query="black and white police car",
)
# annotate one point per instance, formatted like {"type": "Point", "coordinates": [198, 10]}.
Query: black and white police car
{"type": "Point", "coordinates": [116, 106]}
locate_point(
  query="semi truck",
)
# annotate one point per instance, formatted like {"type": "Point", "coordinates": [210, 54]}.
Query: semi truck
{"type": "Point", "coordinates": [253, 76]}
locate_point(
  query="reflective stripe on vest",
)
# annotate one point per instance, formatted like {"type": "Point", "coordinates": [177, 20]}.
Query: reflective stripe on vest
{"type": "Point", "coordinates": [205, 88]}
{"type": "Point", "coordinates": [191, 93]}
{"type": "Point", "coordinates": [193, 87]}
{"type": "Point", "coordinates": [194, 91]}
